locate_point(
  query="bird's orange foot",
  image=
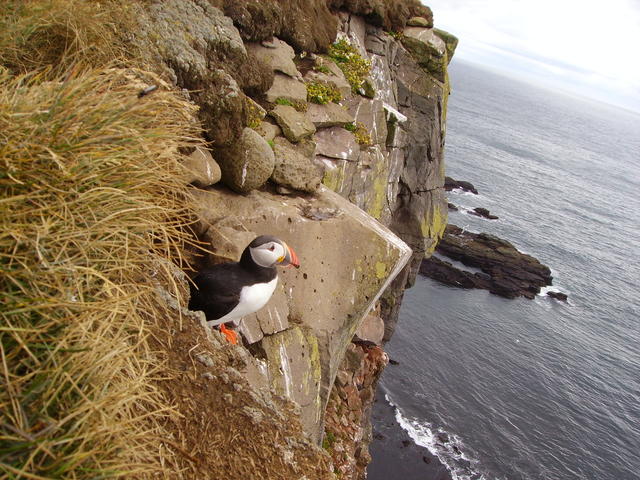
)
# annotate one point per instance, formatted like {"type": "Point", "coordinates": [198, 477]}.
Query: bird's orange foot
{"type": "Point", "coordinates": [232, 336]}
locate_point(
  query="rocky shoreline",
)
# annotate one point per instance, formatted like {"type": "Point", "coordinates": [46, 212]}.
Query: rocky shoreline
{"type": "Point", "coordinates": [394, 454]}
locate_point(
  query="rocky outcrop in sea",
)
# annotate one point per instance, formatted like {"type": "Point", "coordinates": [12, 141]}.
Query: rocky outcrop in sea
{"type": "Point", "coordinates": [493, 264]}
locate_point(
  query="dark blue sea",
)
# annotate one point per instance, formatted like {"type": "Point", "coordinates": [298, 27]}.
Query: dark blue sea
{"type": "Point", "coordinates": [532, 389]}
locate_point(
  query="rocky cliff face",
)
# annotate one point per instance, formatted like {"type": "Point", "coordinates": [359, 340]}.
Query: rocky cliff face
{"type": "Point", "coordinates": [342, 161]}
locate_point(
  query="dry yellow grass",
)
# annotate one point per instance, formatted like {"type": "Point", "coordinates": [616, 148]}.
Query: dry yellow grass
{"type": "Point", "coordinates": [90, 191]}
{"type": "Point", "coordinates": [60, 33]}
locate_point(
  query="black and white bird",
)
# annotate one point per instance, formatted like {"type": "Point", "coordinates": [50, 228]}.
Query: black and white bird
{"type": "Point", "coordinates": [229, 291]}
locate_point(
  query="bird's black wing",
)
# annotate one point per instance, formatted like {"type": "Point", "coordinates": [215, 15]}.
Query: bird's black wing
{"type": "Point", "coordinates": [216, 291]}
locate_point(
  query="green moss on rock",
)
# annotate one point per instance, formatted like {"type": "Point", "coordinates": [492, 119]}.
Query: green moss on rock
{"type": "Point", "coordinates": [322, 93]}
{"type": "Point", "coordinates": [355, 68]}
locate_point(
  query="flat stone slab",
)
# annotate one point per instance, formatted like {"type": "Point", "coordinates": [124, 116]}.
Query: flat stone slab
{"type": "Point", "coordinates": [336, 142]}
{"type": "Point", "coordinates": [295, 125]}
{"type": "Point", "coordinates": [288, 88]}
{"type": "Point", "coordinates": [329, 115]}
{"type": "Point", "coordinates": [278, 55]}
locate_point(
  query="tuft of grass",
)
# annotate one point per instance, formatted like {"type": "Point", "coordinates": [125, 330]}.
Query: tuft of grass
{"type": "Point", "coordinates": [328, 441]}
{"type": "Point", "coordinates": [58, 34]}
{"type": "Point", "coordinates": [90, 194]}
{"type": "Point", "coordinates": [284, 101]}
{"type": "Point", "coordinates": [360, 132]}
{"type": "Point", "coordinates": [396, 35]}
{"type": "Point", "coordinates": [322, 93]}
{"type": "Point", "coordinates": [355, 68]}
{"type": "Point", "coordinates": [254, 115]}
{"type": "Point", "coordinates": [299, 106]}
{"type": "Point", "coordinates": [322, 69]}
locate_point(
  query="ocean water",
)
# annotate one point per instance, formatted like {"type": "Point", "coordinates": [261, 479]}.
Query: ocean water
{"type": "Point", "coordinates": [532, 389]}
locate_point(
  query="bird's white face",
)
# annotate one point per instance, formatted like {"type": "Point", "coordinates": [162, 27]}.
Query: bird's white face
{"type": "Point", "coordinates": [268, 254]}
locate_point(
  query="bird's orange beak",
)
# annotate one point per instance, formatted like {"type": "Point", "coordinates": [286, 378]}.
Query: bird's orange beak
{"type": "Point", "coordinates": [290, 257]}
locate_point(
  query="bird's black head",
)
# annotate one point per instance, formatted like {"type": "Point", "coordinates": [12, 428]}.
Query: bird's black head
{"type": "Point", "coordinates": [268, 251]}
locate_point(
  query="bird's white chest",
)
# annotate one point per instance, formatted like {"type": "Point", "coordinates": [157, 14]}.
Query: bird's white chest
{"type": "Point", "coordinates": [256, 296]}
{"type": "Point", "coordinates": [252, 299]}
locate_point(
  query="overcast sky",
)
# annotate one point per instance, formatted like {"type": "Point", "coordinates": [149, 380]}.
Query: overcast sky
{"type": "Point", "coordinates": [585, 47]}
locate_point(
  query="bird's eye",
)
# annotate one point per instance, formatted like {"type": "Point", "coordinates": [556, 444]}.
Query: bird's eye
{"type": "Point", "coordinates": [272, 248]}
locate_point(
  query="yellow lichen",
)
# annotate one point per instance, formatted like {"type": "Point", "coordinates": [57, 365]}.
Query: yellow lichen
{"type": "Point", "coordinates": [381, 270]}
{"type": "Point", "coordinates": [333, 177]}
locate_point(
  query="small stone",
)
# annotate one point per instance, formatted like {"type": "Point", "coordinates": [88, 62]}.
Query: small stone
{"type": "Point", "coordinates": [284, 190]}
{"type": "Point", "coordinates": [294, 124]}
{"type": "Point", "coordinates": [255, 415]}
{"type": "Point", "coordinates": [202, 169]}
{"type": "Point", "coordinates": [343, 378]}
{"type": "Point", "coordinates": [484, 213]}
{"type": "Point", "coordinates": [205, 359]}
{"type": "Point", "coordinates": [419, 22]}
{"type": "Point", "coordinates": [563, 297]}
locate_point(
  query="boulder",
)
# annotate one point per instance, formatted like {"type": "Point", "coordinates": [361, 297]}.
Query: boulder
{"type": "Point", "coordinates": [276, 54]}
{"type": "Point", "coordinates": [293, 169]}
{"type": "Point", "coordinates": [347, 260]}
{"type": "Point", "coordinates": [248, 163]}
{"type": "Point", "coordinates": [336, 142]}
{"type": "Point", "coordinates": [201, 169]}
{"type": "Point", "coordinates": [450, 41]}
{"type": "Point", "coordinates": [288, 88]}
{"type": "Point", "coordinates": [429, 50]}
{"type": "Point", "coordinates": [419, 22]}
{"type": "Point", "coordinates": [294, 124]}
{"type": "Point", "coordinates": [329, 115]}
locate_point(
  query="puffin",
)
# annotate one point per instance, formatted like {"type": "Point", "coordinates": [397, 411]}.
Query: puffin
{"type": "Point", "coordinates": [228, 291]}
